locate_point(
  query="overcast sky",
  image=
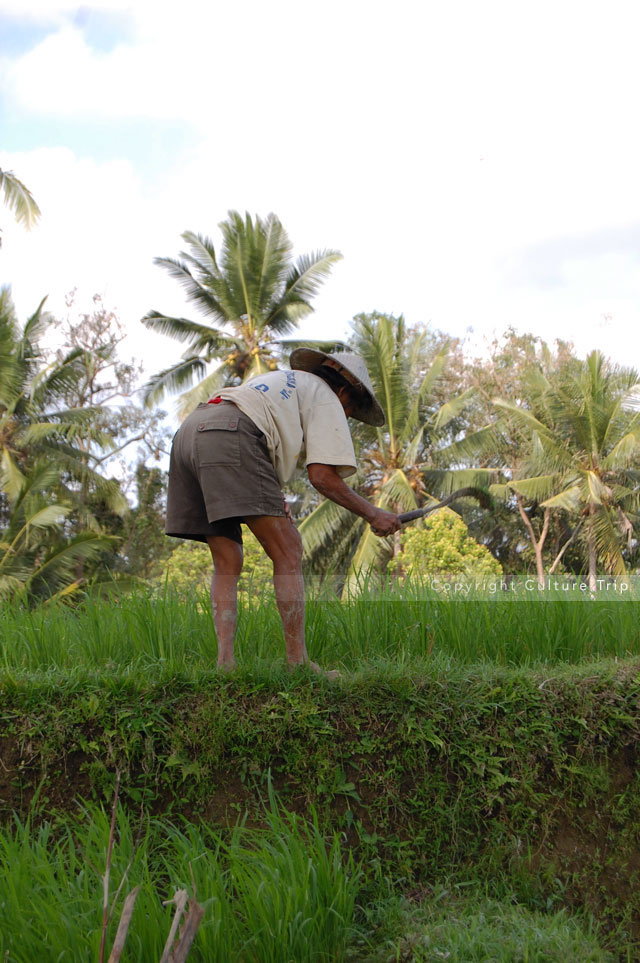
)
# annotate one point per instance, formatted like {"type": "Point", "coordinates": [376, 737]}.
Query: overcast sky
{"type": "Point", "coordinates": [476, 162]}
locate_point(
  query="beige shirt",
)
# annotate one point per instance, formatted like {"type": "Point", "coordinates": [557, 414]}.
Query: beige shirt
{"type": "Point", "coordinates": [296, 409]}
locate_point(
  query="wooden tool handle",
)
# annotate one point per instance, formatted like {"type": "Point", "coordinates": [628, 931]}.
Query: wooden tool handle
{"type": "Point", "coordinates": [468, 492]}
{"type": "Point", "coordinates": [411, 516]}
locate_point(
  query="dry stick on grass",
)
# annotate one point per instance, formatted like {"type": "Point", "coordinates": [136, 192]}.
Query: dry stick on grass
{"type": "Point", "coordinates": [180, 899]}
{"type": "Point", "coordinates": [188, 932]}
{"type": "Point", "coordinates": [189, 927]}
{"type": "Point", "coordinates": [105, 879]}
{"type": "Point", "coordinates": [123, 926]}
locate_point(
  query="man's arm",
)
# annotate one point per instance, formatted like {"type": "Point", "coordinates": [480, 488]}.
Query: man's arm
{"type": "Point", "coordinates": [328, 482]}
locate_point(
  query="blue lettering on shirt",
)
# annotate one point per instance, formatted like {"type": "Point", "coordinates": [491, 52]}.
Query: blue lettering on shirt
{"type": "Point", "coordinates": [262, 387]}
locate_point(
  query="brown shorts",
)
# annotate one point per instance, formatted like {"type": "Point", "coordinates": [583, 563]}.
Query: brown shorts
{"type": "Point", "coordinates": [220, 471]}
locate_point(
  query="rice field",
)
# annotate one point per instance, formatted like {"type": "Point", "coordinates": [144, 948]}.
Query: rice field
{"type": "Point", "coordinates": [286, 892]}
{"type": "Point", "coordinates": [383, 628]}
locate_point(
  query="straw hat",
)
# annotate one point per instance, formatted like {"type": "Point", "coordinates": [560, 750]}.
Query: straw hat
{"type": "Point", "coordinates": [353, 369]}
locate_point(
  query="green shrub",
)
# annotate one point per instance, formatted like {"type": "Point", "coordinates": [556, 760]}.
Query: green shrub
{"type": "Point", "coordinates": [189, 567]}
{"type": "Point", "coordinates": [442, 547]}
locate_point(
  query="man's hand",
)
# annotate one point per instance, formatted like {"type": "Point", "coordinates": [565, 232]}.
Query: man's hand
{"type": "Point", "coordinates": [384, 523]}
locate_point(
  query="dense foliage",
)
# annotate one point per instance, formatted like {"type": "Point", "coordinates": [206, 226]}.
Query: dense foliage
{"type": "Point", "coordinates": [443, 548]}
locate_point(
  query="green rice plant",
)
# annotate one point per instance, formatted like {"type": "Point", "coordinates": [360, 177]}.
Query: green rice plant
{"type": "Point", "coordinates": [51, 890]}
{"type": "Point", "coordinates": [382, 626]}
{"type": "Point", "coordinates": [296, 895]}
{"type": "Point", "coordinates": [281, 893]}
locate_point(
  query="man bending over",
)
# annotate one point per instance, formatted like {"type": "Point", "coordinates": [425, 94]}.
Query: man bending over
{"type": "Point", "coordinates": [231, 457]}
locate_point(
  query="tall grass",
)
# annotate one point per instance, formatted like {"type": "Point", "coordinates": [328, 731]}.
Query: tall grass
{"type": "Point", "coordinates": [281, 894]}
{"type": "Point", "coordinates": [382, 627]}
{"type": "Point", "coordinates": [271, 896]}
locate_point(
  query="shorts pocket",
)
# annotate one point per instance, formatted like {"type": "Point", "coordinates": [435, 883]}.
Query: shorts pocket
{"type": "Point", "coordinates": [217, 440]}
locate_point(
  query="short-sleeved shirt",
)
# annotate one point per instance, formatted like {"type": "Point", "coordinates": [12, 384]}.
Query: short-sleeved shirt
{"type": "Point", "coordinates": [296, 409]}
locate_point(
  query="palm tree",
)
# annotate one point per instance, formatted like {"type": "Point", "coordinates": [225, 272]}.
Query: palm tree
{"type": "Point", "coordinates": [405, 372]}
{"type": "Point", "coordinates": [584, 433]}
{"type": "Point", "coordinates": [501, 450]}
{"type": "Point", "coordinates": [37, 558]}
{"type": "Point", "coordinates": [567, 448]}
{"type": "Point", "coordinates": [19, 200]}
{"type": "Point", "coordinates": [33, 424]}
{"type": "Point", "coordinates": [250, 297]}
{"type": "Point", "coordinates": [36, 430]}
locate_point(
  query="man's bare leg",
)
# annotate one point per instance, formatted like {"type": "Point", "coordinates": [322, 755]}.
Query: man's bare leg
{"type": "Point", "coordinates": [227, 565]}
{"type": "Point", "coordinates": [281, 541]}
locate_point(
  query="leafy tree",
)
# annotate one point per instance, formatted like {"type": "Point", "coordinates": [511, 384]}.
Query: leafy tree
{"type": "Point", "coordinates": [250, 296]}
{"type": "Point", "coordinates": [144, 544]}
{"type": "Point", "coordinates": [406, 368]}
{"type": "Point", "coordinates": [442, 547]}
{"type": "Point", "coordinates": [106, 385]}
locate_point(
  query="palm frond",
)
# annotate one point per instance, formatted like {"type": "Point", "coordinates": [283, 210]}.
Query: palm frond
{"type": "Point", "coordinates": [58, 566]}
{"type": "Point", "coordinates": [412, 450]}
{"type": "Point", "coordinates": [19, 200]}
{"type": "Point", "coordinates": [207, 300]}
{"type": "Point", "coordinates": [204, 390]}
{"type": "Point", "coordinates": [445, 482]}
{"type": "Point", "coordinates": [569, 499]}
{"type": "Point", "coordinates": [536, 489]}
{"type": "Point", "coordinates": [58, 378]}
{"type": "Point", "coordinates": [318, 528]}
{"type": "Point", "coordinates": [11, 585]}
{"type": "Point", "coordinates": [479, 445]}
{"type": "Point", "coordinates": [181, 329]}
{"type": "Point", "coordinates": [522, 415]}
{"type": "Point", "coordinates": [625, 452]}
{"type": "Point", "coordinates": [202, 253]}
{"type": "Point", "coordinates": [12, 480]}
{"type": "Point", "coordinates": [451, 409]}
{"type": "Point", "coordinates": [396, 493]}
{"type": "Point", "coordinates": [597, 491]}
{"type": "Point", "coordinates": [434, 372]}
{"type": "Point", "coordinates": [603, 528]}
{"type": "Point", "coordinates": [176, 377]}
{"type": "Point", "coordinates": [37, 324]}
{"type": "Point", "coordinates": [301, 284]}
{"type": "Point", "coordinates": [368, 556]}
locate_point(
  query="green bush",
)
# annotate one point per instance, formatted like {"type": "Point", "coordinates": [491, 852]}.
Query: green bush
{"type": "Point", "coordinates": [443, 547]}
{"type": "Point", "coordinates": [189, 568]}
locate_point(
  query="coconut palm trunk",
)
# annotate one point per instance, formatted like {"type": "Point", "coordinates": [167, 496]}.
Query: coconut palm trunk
{"type": "Point", "coordinates": [592, 550]}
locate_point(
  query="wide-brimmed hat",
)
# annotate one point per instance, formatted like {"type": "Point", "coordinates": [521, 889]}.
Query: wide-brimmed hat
{"type": "Point", "coordinates": [354, 370]}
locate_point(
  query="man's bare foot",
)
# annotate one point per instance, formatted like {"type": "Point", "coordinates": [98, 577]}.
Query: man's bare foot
{"type": "Point", "coordinates": [331, 674]}
{"type": "Point", "coordinates": [227, 666]}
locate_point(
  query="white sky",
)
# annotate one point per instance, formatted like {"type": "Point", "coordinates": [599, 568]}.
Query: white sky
{"type": "Point", "coordinates": [476, 162]}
